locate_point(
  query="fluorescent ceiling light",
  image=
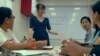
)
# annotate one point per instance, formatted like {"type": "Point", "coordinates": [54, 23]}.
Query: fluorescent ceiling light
{"type": "Point", "coordinates": [77, 8]}
{"type": "Point", "coordinates": [53, 14]}
{"type": "Point", "coordinates": [70, 23]}
{"type": "Point", "coordinates": [51, 9]}
{"type": "Point", "coordinates": [73, 19]}
{"type": "Point", "coordinates": [74, 14]}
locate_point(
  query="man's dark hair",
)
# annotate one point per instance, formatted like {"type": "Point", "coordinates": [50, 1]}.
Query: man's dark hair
{"type": "Point", "coordinates": [5, 12]}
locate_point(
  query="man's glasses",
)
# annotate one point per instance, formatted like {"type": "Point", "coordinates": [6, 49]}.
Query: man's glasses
{"type": "Point", "coordinates": [12, 16]}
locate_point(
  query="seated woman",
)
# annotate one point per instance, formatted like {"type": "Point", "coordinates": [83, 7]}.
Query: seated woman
{"type": "Point", "coordinates": [79, 50]}
{"type": "Point", "coordinates": [91, 36]}
{"type": "Point", "coordinates": [6, 22]}
{"type": "Point", "coordinates": [86, 25]}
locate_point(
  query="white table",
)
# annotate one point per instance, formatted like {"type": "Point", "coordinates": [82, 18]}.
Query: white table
{"type": "Point", "coordinates": [53, 52]}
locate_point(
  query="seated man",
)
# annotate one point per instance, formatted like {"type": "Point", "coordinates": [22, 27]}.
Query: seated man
{"type": "Point", "coordinates": [6, 22]}
{"type": "Point", "coordinates": [12, 38]}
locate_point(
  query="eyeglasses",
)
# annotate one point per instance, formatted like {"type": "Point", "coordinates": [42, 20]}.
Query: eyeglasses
{"type": "Point", "coordinates": [12, 16]}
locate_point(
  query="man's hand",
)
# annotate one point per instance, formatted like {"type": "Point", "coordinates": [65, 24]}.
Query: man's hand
{"type": "Point", "coordinates": [30, 43]}
{"type": "Point", "coordinates": [65, 41]}
{"type": "Point", "coordinates": [72, 49]}
{"type": "Point", "coordinates": [41, 44]}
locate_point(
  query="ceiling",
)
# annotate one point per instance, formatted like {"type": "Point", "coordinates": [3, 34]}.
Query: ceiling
{"type": "Point", "coordinates": [67, 2]}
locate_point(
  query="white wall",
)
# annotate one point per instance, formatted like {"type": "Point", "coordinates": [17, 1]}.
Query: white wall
{"type": "Point", "coordinates": [2, 2]}
{"type": "Point", "coordinates": [67, 22]}
{"type": "Point", "coordinates": [21, 22]}
{"type": "Point", "coordinates": [34, 2]}
{"type": "Point", "coordinates": [7, 3]}
{"type": "Point", "coordinates": [63, 20]}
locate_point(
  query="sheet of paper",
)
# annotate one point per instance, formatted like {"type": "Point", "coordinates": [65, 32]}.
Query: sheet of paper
{"type": "Point", "coordinates": [48, 47]}
{"type": "Point", "coordinates": [30, 52]}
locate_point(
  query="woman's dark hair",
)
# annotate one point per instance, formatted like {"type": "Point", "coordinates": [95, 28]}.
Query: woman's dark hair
{"type": "Point", "coordinates": [4, 13]}
{"type": "Point", "coordinates": [87, 18]}
{"type": "Point", "coordinates": [96, 7]}
{"type": "Point", "coordinates": [38, 6]}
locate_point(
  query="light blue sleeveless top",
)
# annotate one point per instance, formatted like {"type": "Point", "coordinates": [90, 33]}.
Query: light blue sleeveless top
{"type": "Point", "coordinates": [93, 38]}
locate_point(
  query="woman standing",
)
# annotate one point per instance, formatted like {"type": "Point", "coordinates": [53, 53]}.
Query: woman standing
{"type": "Point", "coordinates": [40, 24]}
